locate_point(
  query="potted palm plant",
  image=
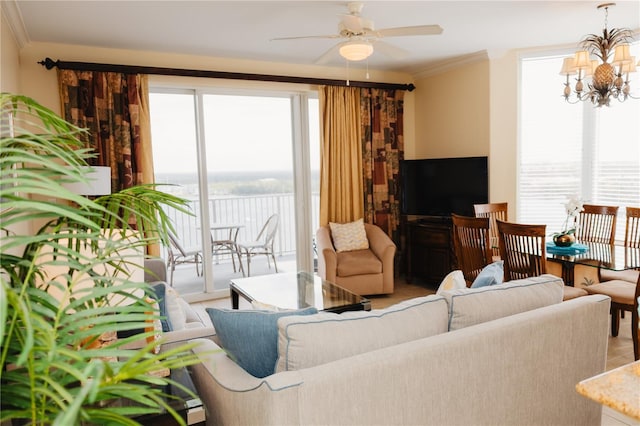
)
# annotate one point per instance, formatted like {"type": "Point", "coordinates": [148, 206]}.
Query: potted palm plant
{"type": "Point", "coordinates": [57, 365]}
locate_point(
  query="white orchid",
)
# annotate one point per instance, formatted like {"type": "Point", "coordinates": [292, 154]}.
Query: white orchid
{"type": "Point", "coordinates": [573, 207]}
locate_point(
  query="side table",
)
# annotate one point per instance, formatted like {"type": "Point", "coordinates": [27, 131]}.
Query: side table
{"type": "Point", "coordinates": [191, 410]}
{"type": "Point", "coordinates": [618, 389]}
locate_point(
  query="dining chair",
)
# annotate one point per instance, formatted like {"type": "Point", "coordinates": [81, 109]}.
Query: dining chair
{"type": "Point", "coordinates": [263, 244]}
{"type": "Point", "coordinates": [493, 211]}
{"type": "Point", "coordinates": [522, 248]}
{"type": "Point", "coordinates": [623, 292]}
{"type": "Point", "coordinates": [177, 254]}
{"type": "Point", "coordinates": [472, 245]}
{"type": "Point", "coordinates": [597, 224]}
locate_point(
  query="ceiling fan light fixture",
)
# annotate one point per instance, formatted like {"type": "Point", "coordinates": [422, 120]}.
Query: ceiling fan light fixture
{"type": "Point", "coordinates": [356, 50]}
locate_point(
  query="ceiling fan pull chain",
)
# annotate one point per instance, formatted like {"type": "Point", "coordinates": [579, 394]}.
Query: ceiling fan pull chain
{"type": "Point", "coordinates": [347, 61]}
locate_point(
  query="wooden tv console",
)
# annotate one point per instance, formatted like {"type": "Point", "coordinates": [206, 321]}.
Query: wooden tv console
{"type": "Point", "coordinates": [430, 251]}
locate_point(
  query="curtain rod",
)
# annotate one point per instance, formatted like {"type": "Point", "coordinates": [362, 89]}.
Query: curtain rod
{"type": "Point", "coordinates": [49, 63]}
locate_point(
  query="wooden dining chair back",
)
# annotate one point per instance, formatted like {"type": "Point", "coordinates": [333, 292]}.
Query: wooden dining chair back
{"type": "Point", "coordinates": [493, 211]}
{"type": "Point", "coordinates": [632, 228]}
{"type": "Point", "coordinates": [597, 224]}
{"type": "Point", "coordinates": [522, 248]}
{"type": "Point", "coordinates": [472, 245]}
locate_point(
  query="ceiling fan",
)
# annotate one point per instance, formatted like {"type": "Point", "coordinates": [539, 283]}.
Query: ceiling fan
{"type": "Point", "coordinates": [360, 37]}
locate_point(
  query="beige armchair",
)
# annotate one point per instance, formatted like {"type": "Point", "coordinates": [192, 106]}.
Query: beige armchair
{"type": "Point", "coordinates": [363, 272]}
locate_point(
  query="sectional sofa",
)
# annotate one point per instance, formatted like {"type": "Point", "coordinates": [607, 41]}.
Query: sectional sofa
{"type": "Point", "coordinates": [509, 354]}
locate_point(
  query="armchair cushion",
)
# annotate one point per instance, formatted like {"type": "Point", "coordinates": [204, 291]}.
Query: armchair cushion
{"type": "Point", "coordinates": [358, 262]}
{"type": "Point", "coordinates": [349, 236]}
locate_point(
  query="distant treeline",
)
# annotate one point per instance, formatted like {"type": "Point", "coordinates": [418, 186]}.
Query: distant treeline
{"type": "Point", "coordinates": [237, 183]}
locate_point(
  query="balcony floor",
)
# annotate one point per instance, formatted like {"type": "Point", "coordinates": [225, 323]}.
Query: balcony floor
{"type": "Point", "coordinates": [186, 281]}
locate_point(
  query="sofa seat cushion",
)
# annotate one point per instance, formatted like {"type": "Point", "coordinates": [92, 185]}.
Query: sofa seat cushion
{"type": "Point", "coordinates": [620, 291]}
{"type": "Point", "coordinates": [304, 342]}
{"type": "Point", "coordinates": [250, 337]}
{"type": "Point", "coordinates": [358, 262]}
{"type": "Point", "coordinates": [477, 305]}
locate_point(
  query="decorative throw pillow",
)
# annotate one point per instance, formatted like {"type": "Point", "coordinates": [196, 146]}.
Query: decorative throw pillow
{"type": "Point", "coordinates": [490, 275]}
{"type": "Point", "coordinates": [453, 280]}
{"type": "Point", "coordinates": [175, 312]}
{"type": "Point", "coordinates": [349, 236]}
{"type": "Point", "coordinates": [250, 337]}
{"type": "Point", "coordinates": [161, 297]}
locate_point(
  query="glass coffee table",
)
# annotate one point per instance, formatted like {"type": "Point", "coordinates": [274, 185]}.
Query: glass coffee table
{"type": "Point", "coordinates": [296, 290]}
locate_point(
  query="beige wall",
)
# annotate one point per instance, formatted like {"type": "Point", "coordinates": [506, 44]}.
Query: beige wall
{"type": "Point", "coordinates": [9, 64]}
{"type": "Point", "coordinates": [452, 113]}
{"type": "Point", "coordinates": [503, 154]}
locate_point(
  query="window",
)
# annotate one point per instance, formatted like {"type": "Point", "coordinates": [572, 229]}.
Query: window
{"type": "Point", "coordinates": [568, 150]}
{"type": "Point", "coordinates": [238, 156]}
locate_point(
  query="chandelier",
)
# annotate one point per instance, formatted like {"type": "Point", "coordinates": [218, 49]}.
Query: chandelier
{"type": "Point", "coordinates": [598, 80]}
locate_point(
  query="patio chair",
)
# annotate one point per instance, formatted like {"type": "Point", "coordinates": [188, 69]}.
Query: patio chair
{"type": "Point", "coordinates": [263, 244]}
{"type": "Point", "coordinates": [179, 255]}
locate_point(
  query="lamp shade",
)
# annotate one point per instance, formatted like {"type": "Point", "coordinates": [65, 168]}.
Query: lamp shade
{"type": "Point", "coordinates": [622, 55]}
{"type": "Point", "coordinates": [98, 182]}
{"type": "Point", "coordinates": [582, 60]}
{"type": "Point", "coordinates": [568, 66]}
{"type": "Point", "coordinates": [356, 50]}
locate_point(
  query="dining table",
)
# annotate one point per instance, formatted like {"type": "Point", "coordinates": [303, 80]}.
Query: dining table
{"type": "Point", "coordinates": [614, 257]}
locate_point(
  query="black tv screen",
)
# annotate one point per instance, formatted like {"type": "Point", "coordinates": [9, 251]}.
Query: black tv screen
{"type": "Point", "coordinates": [441, 186]}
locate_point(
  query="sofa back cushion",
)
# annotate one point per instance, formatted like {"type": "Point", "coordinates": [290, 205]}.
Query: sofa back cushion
{"type": "Point", "coordinates": [304, 342]}
{"type": "Point", "coordinates": [476, 305]}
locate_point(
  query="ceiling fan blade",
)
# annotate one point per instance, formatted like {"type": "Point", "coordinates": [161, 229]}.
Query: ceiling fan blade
{"type": "Point", "coordinates": [326, 56]}
{"type": "Point", "coordinates": [394, 52]}
{"type": "Point", "coordinates": [410, 31]}
{"type": "Point", "coordinates": [302, 37]}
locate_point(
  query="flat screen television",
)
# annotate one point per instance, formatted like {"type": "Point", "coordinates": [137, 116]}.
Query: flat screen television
{"type": "Point", "coordinates": [441, 186]}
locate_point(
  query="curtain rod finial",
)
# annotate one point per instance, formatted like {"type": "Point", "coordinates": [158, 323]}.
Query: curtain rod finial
{"type": "Point", "coordinates": [410, 87]}
{"type": "Point", "coordinates": [49, 63]}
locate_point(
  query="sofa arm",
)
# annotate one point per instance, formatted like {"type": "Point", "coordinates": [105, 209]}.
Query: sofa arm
{"type": "Point", "coordinates": [233, 396]}
{"type": "Point", "coordinates": [327, 259]}
{"type": "Point", "coordinates": [171, 339]}
{"type": "Point", "coordinates": [155, 270]}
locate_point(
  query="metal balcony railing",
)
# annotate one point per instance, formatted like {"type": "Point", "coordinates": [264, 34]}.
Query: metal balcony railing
{"type": "Point", "coordinates": [250, 211]}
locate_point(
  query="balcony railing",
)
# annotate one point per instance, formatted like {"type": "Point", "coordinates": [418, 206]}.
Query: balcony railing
{"type": "Point", "coordinates": [249, 211]}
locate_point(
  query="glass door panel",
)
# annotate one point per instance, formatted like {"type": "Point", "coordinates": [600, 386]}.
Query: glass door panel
{"type": "Point", "coordinates": [249, 159]}
{"type": "Point", "coordinates": [176, 164]}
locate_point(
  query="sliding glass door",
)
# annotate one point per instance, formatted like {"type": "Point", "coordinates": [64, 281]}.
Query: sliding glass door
{"type": "Point", "coordinates": [239, 159]}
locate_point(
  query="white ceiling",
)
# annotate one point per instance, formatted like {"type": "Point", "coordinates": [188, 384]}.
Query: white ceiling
{"type": "Point", "coordinates": [243, 29]}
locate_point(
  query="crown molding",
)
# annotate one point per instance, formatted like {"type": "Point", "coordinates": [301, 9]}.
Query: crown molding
{"type": "Point", "coordinates": [449, 64]}
{"type": "Point", "coordinates": [13, 16]}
